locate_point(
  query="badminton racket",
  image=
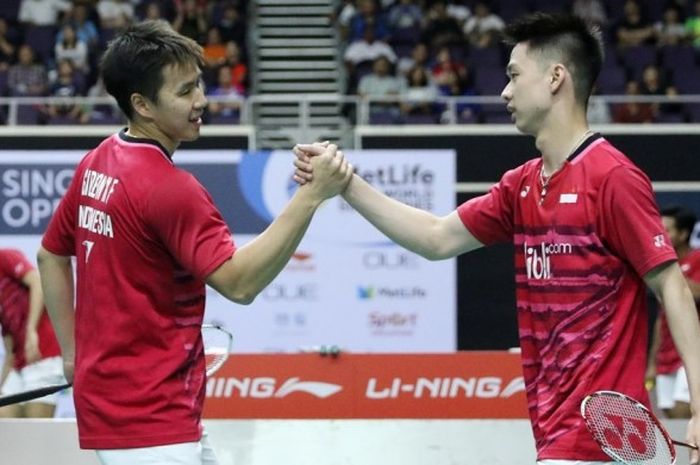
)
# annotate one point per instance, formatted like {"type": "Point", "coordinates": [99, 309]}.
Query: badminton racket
{"type": "Point", "coordinates": [217, 346]}
{"type": "Point", "coordinates": [627, 431]}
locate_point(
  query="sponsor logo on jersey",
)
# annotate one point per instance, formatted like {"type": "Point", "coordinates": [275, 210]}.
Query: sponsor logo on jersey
{"type": "Point", "coordinates": [538, 263]}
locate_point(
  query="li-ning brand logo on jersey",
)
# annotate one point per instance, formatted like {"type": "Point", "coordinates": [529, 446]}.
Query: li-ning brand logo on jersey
{"type": "Point", "coordinates": [538, 264]}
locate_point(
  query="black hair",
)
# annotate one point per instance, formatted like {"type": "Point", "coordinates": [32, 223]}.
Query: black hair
{"type": "Point", "coordinates": [134, 61]}
{"type": "Point", "coordinates": [568, 38]}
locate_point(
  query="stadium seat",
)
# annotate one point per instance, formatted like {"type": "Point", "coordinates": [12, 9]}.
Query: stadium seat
{"type": "Point", "coordinates": [489, 81]}
{"type": "Point", "coordinates": [611, 80]}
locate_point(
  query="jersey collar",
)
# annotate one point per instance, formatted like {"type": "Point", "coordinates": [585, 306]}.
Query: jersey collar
{"type": "Point", "coordinates": [584, 145]}
{"type": "Point", "coordinates": [139, 140]}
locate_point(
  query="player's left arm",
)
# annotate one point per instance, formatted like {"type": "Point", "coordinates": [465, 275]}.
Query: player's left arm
{"type": "Point", "coordinates": [671, 288]}
{"type": "Point", "coordinates": [57, 280]}
{"type": "Point", "coordinates": [36, 307]}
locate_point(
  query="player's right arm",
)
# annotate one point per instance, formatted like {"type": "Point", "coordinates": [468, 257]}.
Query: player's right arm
{"type": "Point", "coordinates": [256, 264]}
{"type": "Point", "coordinates": [57, 283]}
{"type": "Point", "coordinates": [420, 231]}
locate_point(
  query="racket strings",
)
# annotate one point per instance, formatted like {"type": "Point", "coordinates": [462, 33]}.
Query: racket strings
{"type": "Point", "coordinates": [217, 346]}
{"type": "Point", "coordinates": [627, 432]}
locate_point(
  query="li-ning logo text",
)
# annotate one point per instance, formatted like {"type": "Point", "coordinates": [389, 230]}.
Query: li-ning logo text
{"type": "Point", "coordinates": [538, 258]}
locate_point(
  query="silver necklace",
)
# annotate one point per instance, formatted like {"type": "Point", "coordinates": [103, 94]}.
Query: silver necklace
{"type": "Point", "coordinates": [544, 179]}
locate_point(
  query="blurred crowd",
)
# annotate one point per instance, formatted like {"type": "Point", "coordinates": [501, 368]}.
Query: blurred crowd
{"type": "Point", "coordinates": [421, 49]}
{"type": "Point", "coordinates": [53, 47]}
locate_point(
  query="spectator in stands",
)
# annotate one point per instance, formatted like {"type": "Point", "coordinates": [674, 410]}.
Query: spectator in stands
{"type": "Point", "coordinates": [7, 48]}
{"type": "Point", "coordinates": [67, 84]}
{"type": "Point", "coordinates": [634, 30]}
{"type": "Point", "coordinates": [692, 25]}
{"type": "Point", "coordinates": [99, 113]}
{"type": "Point", "coordinates": [670, 30]}
{"type": "Point", "coordinates": [458, 10]}
{"type": "Point", "coordinates": [653, 84]}
{"type": "Point", "coordinates": [368, 49]}
{"type": "Point", "coordinates": [404, 19]}
{"type": "Point", "coordinates": [85, 28]}
{"type": "Point", "coordinates": [42, 12]}
{"type": "Point", "coordinates": [633, 112]}
{"type": "Point", "coordinates": [215, 49]}
{"type": "Point", "coordinates": [190, 20]}
{"type": "Point", "coordinates": [598, 111]}
{"type": "Point", "coordinates": [592, 11]}
{"type": "Point", "coordinates": [381, 83]}
{"type": "Point", "coordinates": [231, 26]}
{"type": "Point", "coordinates": [69, 47]}
{"type": "Point", "coordinates": [115, 14]}
{"type": "Point", "coordinates": [454, 86]}
{"type": "Point", "coordinates": [482, 29]}
{"type": "Point", "coordinates": [224, 88]}
{"type": "Point", "coordinates": [445, 65]}
{"type": "Point", "coordinates": [441, 29]}
{"type": "Point", "coordinates": [419, 57]}
{"type": "Point", "coordinates": [239, 70]}
{"type": "Point", "coordinates": [342, 16]}
{"type": "Point", "coordinates": [367, 17]}
{"type": "Point", "coordinates": [27, 78]}
{"type": "Point", "coordinates": [419, 95]}
{"type": "Point", "coordinates": [152, 11]}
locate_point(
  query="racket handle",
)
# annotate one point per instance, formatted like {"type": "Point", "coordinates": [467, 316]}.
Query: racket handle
{"type": "Point", "coordinates": [684, 444]}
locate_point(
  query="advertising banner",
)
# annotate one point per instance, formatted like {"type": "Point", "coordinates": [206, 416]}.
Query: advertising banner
{"type": "Point", "coordinates": [347, 284]}
{"type": "Point", "coordinates": [460, 385]}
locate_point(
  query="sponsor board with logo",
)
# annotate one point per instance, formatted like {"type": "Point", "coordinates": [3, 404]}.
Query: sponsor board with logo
{"type": "Point", "coordinates": [314, 301]}
{"type": "Point", "coordinates": [458, 385]}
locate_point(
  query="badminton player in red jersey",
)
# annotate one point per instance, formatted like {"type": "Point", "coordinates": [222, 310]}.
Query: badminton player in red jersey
{"type": "Point", "coordinates": [587, 236]}
{"type": "Point", "coordinates": [665, 368]}
{"type": "Point", "coordinates": [147, 237]}
{"type": "Point", "coordinates": [32, 355]}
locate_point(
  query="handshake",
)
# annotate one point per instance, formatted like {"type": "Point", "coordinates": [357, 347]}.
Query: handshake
{"type": "Point", "coordinates": [325, 165]}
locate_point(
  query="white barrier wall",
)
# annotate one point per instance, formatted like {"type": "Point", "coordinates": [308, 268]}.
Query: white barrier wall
{"type": "Point", "coordinates": [312, 442]}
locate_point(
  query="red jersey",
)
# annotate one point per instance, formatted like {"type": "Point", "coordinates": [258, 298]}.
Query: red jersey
{"type": "Point", "coordinates": [145, 235]}
{"type": "Point", "coordinates": [580, 251]}
{"type": "Point", "coordinates": [667, 358]}
{"type": "Point", "coordinates": [14, 309]}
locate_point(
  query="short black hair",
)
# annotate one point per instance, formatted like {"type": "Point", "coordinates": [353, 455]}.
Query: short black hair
{"type": "Point", "coordinates": [572, 40]}
{"type": "Point", "coordinates": [134, 61]}
{"type": "Point", "coordinates": [684, 218]}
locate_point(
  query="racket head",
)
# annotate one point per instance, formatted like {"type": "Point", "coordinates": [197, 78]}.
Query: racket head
{"type": "Point", "coordinates": [626, 430]}
{"type": "Point", "coordinates": [218, 344]}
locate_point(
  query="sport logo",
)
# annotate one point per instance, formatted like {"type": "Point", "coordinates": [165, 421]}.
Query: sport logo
{"type": "Point", "coordinates": [267, 388]}
{"type": "Point", "coordinates": [538, 259]}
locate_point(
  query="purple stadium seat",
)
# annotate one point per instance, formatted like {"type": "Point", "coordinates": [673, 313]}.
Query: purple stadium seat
{"type": "Point", "coordinates": [497, 118]}
{"type": "Point", "coordinates": [9, 9]}
{"type": "Point", "coordinates": [485, 57]}
{"type": "Point", "coordinates": [27, 114]}
{"type": "Point", "coordinates": [693, 110]}
{"type": "Point", "coordinates": [653, 10]}
{"type": "Point", "coordinates": [686, 80]}
{"type": "Point", "coordinates": [551, 6]}
{"type": "Point", "coordinates": [677, 56]}
{"type": "Point", "coordinates": [510, 9]}
{"type": "Point", "coordinates": [3, 84]}
{"type": "Point", "coordinates": [382, 117]}
{"type": "Point", "coordinates": [490, 81]}
{"type": "Point", "coordinates": [612, 80]}
{"type": "Point", "coordinates": [420, 119]}
{"type": "Point", "coordinates": [635, 59]}
{"type": "Point", "coordinates": [42, 40]}
{"type": "Point", "coordinates": [668, 118]}
{"type": "Point", "coordinates": [223, 119]}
